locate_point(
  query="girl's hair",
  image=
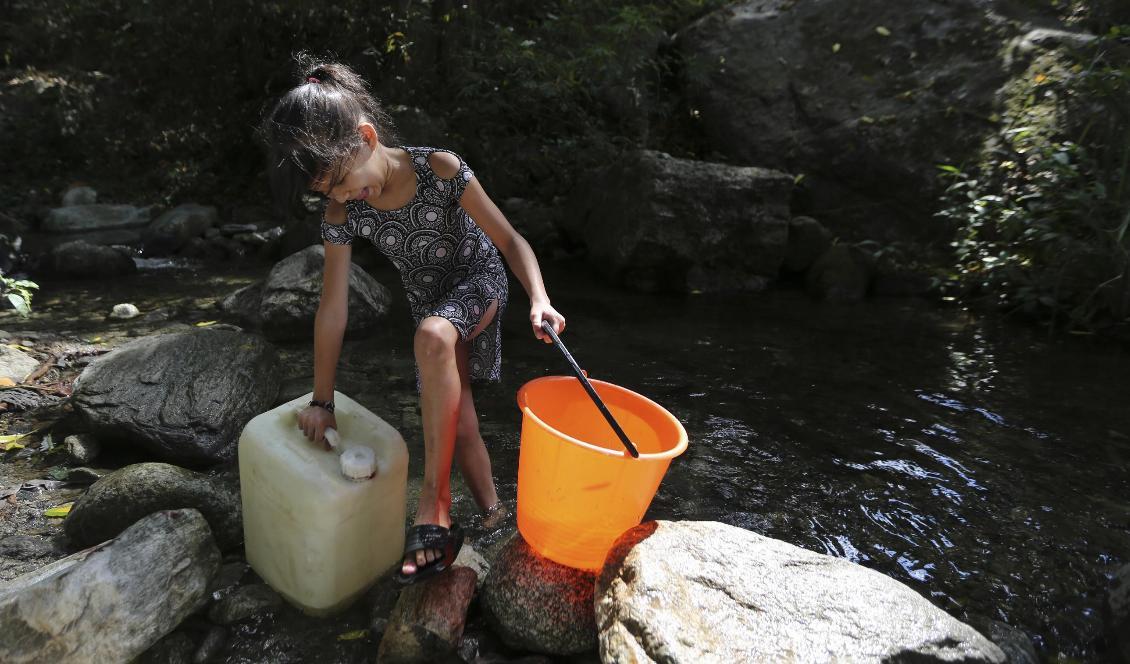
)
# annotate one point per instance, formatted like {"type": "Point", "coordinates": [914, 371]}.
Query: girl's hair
{"type": "Point", "coordinates": [312, 130]}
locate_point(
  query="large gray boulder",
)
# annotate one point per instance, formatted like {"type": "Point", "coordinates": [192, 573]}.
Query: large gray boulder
{"type": "Point", "coordinates": [81, 259]}
{"type": "Point", "coordinates": [96, 217]}
{"type": "Point", "coordinates": [862, 97]}
{"type": "Point", "coordinates": [536, 604]}
{"type": "Point", "coordinates": [128, 494]}
{"type": "Point", "coordinates": [112, 602]}
{"type": "Point", "coordinates": [182, 397]}
{"type": "Point", "coordinates": [695, 591]}
{"type": "Point", "coordinates": [657, 223]}
{"type": "Point", "coordinates": [172, 230]}
{"type": "Point", "coordinates": [285, 303]}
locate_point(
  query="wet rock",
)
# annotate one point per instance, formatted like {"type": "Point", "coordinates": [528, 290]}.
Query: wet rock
{"type": "Point", "coordinates": [243, 603]}
{"type": "Point", "coordinates": [840, 275]}
{"type": "Point", "coordinates": [112, 602]}
{"type": "Point", "coordinates": [1116, 613]}
{"type": "Point", "coordinates": [124, 311]}
{"type": "Point", "coordinates": [183, 397]}
{"type": "Point", "coordinates": [1014, 643]}
{"type": "Point", "coordinates": [227, 578]}
{"type": "Point", "coordinates": [538, 605]}
{"type": "Point", "coordinates": [176, 648]}
{"type": "Point", "coordinates": [114, 502]}
{"type": "Point", "coordinates": [693, 225]}
{"type": "Point", "coordinates": [691, 591]}
{"type": "Point", "coordinates": [96, 217]}
{"type": "Point", "coordinates": [214, 641]}
{"type": "Point", "coordinates": [808, 240]}
{"type": "Point", "coordinates": [285, 303]}
{"type": "Point", "coordinates": [81, 448]}
{"type": "Point", "coordinates": [427, 622]}
{"type": "Point", "coordinates": [80, 259]}
{"type": "Point", "coordinates": [470, 558]}
{"type": "Point", "coordinates": [172, 230]}
{"type": "Point", "coordinates": [80, 195]}
{"type": "Point", "coordinates": [237, 229]}
{"type": "Point", "coordinates": [15, 364]}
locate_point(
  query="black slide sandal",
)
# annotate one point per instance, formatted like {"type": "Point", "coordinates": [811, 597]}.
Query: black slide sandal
{"type": "Point", "coordinates": [429, 536]}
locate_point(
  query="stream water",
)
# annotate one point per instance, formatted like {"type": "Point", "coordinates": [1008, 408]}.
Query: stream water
{"type": "Point", "coordinates": [975, 460]}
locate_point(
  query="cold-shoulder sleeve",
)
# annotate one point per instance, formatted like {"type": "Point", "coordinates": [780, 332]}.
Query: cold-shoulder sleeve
{"type": "Point", "coordinates": [461, 178]}
{"type": "Point", "coordinates": [338, 233]}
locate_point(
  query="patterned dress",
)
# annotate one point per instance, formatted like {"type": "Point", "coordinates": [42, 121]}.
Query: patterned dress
{"type": "Point", "coordinates": [448, 265]}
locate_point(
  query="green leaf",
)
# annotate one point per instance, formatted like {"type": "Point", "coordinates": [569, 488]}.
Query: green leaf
{"type": "Point", "coordinates": [19, 303]}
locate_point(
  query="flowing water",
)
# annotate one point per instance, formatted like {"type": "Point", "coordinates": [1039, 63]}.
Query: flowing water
{"type": "Point", "coordinates": [975, 460]}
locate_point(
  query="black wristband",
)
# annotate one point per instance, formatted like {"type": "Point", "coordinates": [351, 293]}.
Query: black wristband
{"type": "Point", "coordinates": [326, 405]}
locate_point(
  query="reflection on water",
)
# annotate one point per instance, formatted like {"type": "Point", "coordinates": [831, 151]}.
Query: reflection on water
{"type": "Point", "coordinates": [978, 462]}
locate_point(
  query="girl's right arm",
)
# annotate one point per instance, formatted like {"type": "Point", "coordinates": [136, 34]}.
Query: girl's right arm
{"type": "Point", "coordinates": [329, 328]}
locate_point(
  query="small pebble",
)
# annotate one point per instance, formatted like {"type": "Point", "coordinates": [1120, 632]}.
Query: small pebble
{"type": "Point", "coordinates": [124, 311]}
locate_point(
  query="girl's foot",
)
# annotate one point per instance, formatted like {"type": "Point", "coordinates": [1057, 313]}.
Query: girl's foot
{"type": "Point", "coordinates": [495, 515]}
{"type": "Point", "coordinates": [419, 559]}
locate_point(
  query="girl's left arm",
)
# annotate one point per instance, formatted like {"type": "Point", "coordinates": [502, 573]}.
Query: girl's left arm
{"type": "Point", "coordinates": [518, 254]}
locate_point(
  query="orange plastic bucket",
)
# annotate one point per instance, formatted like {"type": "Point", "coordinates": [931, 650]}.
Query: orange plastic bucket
{"type": "Point", "coordinates": [578, 489]}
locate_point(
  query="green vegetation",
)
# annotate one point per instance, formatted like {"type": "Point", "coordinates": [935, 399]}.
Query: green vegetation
{"type": "Point", "coordinates": [18, 293]}
{"type": "Point", "coordinates": [1043, 219]}
{"type": "Point", "coordinates": [156, 101]}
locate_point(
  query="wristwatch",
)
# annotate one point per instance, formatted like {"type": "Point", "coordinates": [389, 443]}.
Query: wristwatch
{"type": "Point", "coordinates": [327, 405]}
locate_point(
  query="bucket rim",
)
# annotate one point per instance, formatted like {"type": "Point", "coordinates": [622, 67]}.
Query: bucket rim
{"type": "Point", "coordinates": [675, 451]}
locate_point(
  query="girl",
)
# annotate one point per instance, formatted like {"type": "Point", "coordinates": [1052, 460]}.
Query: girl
{"type": "Point", "coordinates": [424, 209]}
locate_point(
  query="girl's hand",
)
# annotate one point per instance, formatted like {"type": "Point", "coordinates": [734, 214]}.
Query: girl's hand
{"type": "Point", "coordinates": [540, 312]}
{"type": "Point", "coordinates": [314, 421]}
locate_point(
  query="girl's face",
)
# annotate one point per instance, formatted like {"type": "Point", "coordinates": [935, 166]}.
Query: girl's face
{"type": "Point", "coordinates": [363, 176]}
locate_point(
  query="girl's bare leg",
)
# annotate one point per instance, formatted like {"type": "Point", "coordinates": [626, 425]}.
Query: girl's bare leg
{"type": "Point", "coordinates": [440, 391]}
{"type": "Point", "coordinates": [470, 450]}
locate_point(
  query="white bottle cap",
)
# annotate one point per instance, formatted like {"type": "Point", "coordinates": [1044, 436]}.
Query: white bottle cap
{"type": "Point", "coordinates": [333, 438]}
{"type": "Point", "coordinates": [358, 463]}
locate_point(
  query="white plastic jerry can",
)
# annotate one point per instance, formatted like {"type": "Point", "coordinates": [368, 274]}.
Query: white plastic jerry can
{"type": "Point", "coordinates": [321, 526]}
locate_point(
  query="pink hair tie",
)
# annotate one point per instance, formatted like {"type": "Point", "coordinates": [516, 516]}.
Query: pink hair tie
{"type": "Point", "coordinates": [312, 80]}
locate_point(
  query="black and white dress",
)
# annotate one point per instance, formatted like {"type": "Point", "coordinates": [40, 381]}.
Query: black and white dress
{"type": "Point", "coordinates": [448, 265]}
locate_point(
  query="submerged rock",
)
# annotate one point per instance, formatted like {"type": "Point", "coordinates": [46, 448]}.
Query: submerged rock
{"type": "Point", "coordinates": [704, 591]}
{"type": "Point", "coordinates": [536, 604]}
{"type": "Point", "coordinates": [112, 602]}
{"type": "Point", "coordinates": [128, 494]}
{"type": "Point", "coordinates": [243, 603]}
{"type": "Point", "coordinates": [80, 259]}
{"type": "Point", "coordinates": [183, 397]}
